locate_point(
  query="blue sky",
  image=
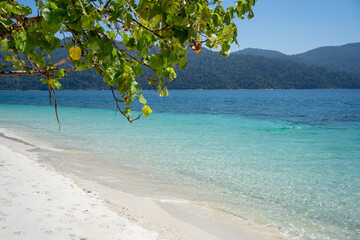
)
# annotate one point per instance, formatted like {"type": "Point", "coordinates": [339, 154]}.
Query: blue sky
{"type": "Point", "coordinates": [295, 26]}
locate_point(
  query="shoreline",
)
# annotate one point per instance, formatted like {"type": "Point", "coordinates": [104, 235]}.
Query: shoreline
{"type": "Point", "coordinates": [169, 220]}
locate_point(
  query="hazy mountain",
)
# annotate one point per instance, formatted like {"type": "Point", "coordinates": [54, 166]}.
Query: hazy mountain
{"type": "Point", "coordinates": [262, 53]}
{"type": "Point", "coordinates": [210, 71]}
{"type": "Point", "coordinates": [345, 57]}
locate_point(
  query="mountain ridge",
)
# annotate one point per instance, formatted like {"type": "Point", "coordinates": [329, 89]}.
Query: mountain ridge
{"type": "Point", "coordinates": [336, 58]}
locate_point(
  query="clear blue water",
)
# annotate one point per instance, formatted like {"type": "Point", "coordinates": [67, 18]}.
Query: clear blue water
{"type": "Point", "coordinates": [285, 159]}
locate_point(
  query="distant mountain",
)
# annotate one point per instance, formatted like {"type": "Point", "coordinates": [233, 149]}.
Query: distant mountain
{"type": "Point", "coordinates": [262, 53]}
{"type": "Point", "coordinates": [238, 71]}
{"type": "Point", "coordinates": [343, 58]}
{"type": "Point", "coordinates": [210, 71]}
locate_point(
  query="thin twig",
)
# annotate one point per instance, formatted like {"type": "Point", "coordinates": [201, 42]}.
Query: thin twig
{"type": "Point", "coordinates": [56, 111]}
{"type": "Point", "coordinates": [150, 30]}
{"type": "Point", "coordinates": [118, 107]}
{"type": "Point", "coordinates": [50, 97]}
{"type": "Point", "coordinates": [61, 62]}
{"type": "Point", "coordinates": [107, 4]}
{"type": "Point", "coordinates": [69, 70]}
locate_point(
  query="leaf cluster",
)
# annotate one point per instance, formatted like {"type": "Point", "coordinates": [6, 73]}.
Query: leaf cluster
{"type": "Point", "coordinates": [117, 38]}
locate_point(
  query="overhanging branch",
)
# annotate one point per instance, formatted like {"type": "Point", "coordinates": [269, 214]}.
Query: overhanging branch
{"type": "Point", "coordinates": [61, 62]}
{"type": "Point", "coordinates": [30, 73]}
{"type": "Point", "coordinates": [19, 73]}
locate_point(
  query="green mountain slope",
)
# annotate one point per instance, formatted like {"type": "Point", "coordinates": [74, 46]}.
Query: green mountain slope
{"type": "Point", "coordinates": [263, 53]}
{"type": "Point", "coordinates": [336, 58]}
{"type": "Point", "coordinates": [209, 71]}
{"type": "Point", "coordinates": [345, 57]}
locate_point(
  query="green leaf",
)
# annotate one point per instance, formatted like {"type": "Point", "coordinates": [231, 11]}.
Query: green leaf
{"type": "Point", "coordinates": [88, 22]}
{"type": "Point", "coordinates": [40, 4]}
{"type": "Point", "coordinates": [225, 50]}
{"type": "Point", "coordinates": [52, 29]}
{"type": "Point", "coordinates": [60, 74]}
{"type": "Point", "coordinates": [152, 81]}
{"type": "Point", "coordinates": [129, 101]}
{"type": "Point", "coordinates": [112, 35]}
{"type": "Point", "coordinates": [128, 19]}
{"type": "Point", "coordinates": [137, 70]}
{"type": "Point", "coordinates": [44, 80]}
{"type": "Point", "coordinates": [213, 38]}
{"type": "Point", "coordinates": [8, 58]}
{"type": "Point", "coordinates": [216, 19]}
{"type": "Point", "coordinates": [18, 64]}
{"type": "Point", "coordinates": [142, 99]}
{"type": "Point", "coordinates": [172, 74]}
{"type": "Point", "coordinates": [183, 62]}
{"type": "Point", "coordinates": [55, 84]}
{"type": "Point", "coordinates": [95, 45]}
{"type": "Point", "coordinates": [81, 65]}
{"type": "Point", "coordinates": [4, 45]}
{"type": "Point", "coordinates": [52, 16]}
{"type": "Point", "coordinates": [24, 43]}
{"type": "Point", "coordinates": [146, 110]}
{"type": "Point", "coordinates": [38, 59]}
{"type": "Point", "coordinates": [163, 92]}
{"type": "Point", "coordinates": [54, 43]}
{"type": "Point", "coordinates": [131, 44]}
{"type": "Point", "coordinates": [157, 61]}
{"type": "Point", "coordinates": [127, 111]}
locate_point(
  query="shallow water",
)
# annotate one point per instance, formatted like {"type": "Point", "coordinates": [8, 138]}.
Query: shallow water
{"type": "Point", "coordinates": [287, 159]}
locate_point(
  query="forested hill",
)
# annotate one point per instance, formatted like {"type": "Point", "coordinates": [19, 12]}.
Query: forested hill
{"type": "Point", "coordinates": [210, 71]}
{"type": "Point", "coordinates": [345, 57]}
{"type": "Point", "coordinates": [262, 53]}
{"type": "Point", "coordinates": [335, 58]}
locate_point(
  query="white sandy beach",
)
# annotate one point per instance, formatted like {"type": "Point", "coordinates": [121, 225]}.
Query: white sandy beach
{"type": "Point", "coordinates": [38, 202]}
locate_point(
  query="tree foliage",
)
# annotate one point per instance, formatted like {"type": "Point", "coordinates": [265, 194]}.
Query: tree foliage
{"type": "Point", "coordinates": [117, 38]}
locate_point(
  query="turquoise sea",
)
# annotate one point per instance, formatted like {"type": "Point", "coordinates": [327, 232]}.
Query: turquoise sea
{"type": "Point", "coordinates": [285, 159]}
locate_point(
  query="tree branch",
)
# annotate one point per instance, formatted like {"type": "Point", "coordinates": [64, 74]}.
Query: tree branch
{"type": "Point", "coordinates": [20, 73]}
{"type": "Point", "coordinates": [164, 28]}
{"type": "Point", "coordinates": [19, 24]}
{"type": "Point", "coordinates": [118, 107]}
{"type": "Point", "coordinates": [107, 4]}
{"type": "Point", "coordinates": [150, 30]}
{"type": "Point", "coordinates": [61, 62]}
{"type": "Point", "coordinates": [29, 73]}
{"type": "Point", "coordinates": [70, 69]}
